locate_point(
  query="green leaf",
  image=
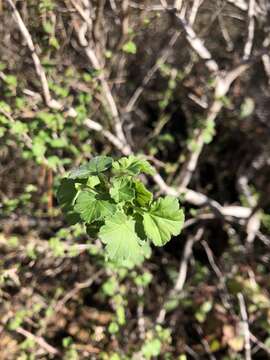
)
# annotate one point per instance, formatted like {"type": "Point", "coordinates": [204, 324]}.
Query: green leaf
{"type": "Point", "coordinates": [93, 181]}
{"type": "Point", "coordinates": [163, 220]}
{"type": "Point", "coordinates": [93, 229]}
{"type": "Point", "coordinates": [132, 165]}
{"type": "Point", "coordinates": [18, 128]}
{"type": "Point", "coordinates": [113, 329]}
{"type": "Point", "coordinates": [66, 193]}
{"type": "Point", "coordinates": [58, 143]}
{"type": "Point", "coordinates": [122, 242]}
{"type": "Point", "coordinates": [54, 42]}
{"type": "Point", "coordinates": [38, 148]}
{"type": "Point", "coordinates": [143, 196]}
{"type": "Point", "coordinates": [92, 208]}
{"type": "Point", "coordinates": [10, 80]}
{"type": "Point", "coordinates": [48, 27]}
{"type": "Point", "coordinates": [151, 348]}
{"type": "Point", "coordinates": [122, 190]}
{"type": "Point", "coordinates": [130, 47]}
{"type": "Point", "coordinates": [95, 166]}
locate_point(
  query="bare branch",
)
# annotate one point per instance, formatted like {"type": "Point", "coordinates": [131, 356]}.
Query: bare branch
{"type": "Point", "coordinates": [194, 11]}
{"type": "Point", "coordinates": [164, 56]}
{"type": "Point", "coordinates": [246, 331]}
{"type": "Point", "coordinates": [223, 83]}
{"type": "Point", "coordinates": [92, 56]}
{"type": "Point", "coordinates": [251, 30]}
{"type": "Point", "coordinates": [190, 196]}
{"type": "Point", "coordinates": [124, 148]}
{"type": "Point", "coordinates": [38, 340]}
{"type": "Point", "coordinates": [197, 45]}
{"type": "Point", "coordinates": [39, 69]}
{"type": "Point", "coordinates": [182, 273]}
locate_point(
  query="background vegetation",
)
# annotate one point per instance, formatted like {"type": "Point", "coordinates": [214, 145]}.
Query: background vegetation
{"type": "Point", "coordinates": [186, 85]}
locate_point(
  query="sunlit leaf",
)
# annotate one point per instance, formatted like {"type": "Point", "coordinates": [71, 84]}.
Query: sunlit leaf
{"type": "Point", "coordinates": [95, 166]}
{"type": "Point", "coordinates": [92, 208]}
{"type": "Point", "coordinates": [122, 242]}
{"type": "Point", "coordinates": [163, 220]}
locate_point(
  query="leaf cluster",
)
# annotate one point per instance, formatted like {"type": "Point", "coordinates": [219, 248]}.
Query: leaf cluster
{"type": "Point", "coordinates": [114, 204]}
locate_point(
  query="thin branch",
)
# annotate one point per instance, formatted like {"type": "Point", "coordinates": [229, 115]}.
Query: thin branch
{"type": "Point", "coordinates": [266, 58]}
{"type": "Point", "coordinates": [194, 11]}
{"type": "Point", "coordinates": [251, 29]}
{"type": "Point", "coordinates": [182, 273]}
{"type": "Point", "coordinates": [78, 287]}
{"type": "Point", "coordinates": [222, 87]}
{"type": "Point", "coordinates": [219, 275]}
{"type": "Point", "coordinates": [161, 60]}
{"type": "Point", "coordinates": [108, 135]}
{"type": "Point", "coordinates": [178, 4]}
{"type": "Point", "coordinates": [205, 343]}
{"type": "Point", "coordinates": [197, 45]}
{"type": "Point", "coordinates": [91, 55]}
{"type": "Point", "coordinates": [39, 69]}
{"type": "Point", "coordinates": [246, 331]}
{"type": "Point", "coordinates": [190, 196]}
{"type": "Point", "coordinates": [259, 343]}
{"type": "Point", "coordinates": [140, 313]}
{"type": "Point", "coordinates": [240, 4]}
{"type": "Point", "coordinates": [38, 340]}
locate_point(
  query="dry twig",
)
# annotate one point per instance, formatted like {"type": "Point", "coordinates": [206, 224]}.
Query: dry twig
{"type": "Point", "coordinates": [39, 69]}
{"type": "Point", "coordinates": [246, 331]}
{"type": "Point", "coordinates": [251, 29]}
{"type": "Point", "coordinates": [38, 340]}
{"type": "Point", "coordinates": [182, 273]}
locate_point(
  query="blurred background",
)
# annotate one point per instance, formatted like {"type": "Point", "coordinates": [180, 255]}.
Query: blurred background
{"type": "Point", "coordinates": [185, 84]}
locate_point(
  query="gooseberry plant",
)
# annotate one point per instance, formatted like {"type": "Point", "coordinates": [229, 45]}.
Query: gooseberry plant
{"type": "Point", "coordinates": [109, 197]}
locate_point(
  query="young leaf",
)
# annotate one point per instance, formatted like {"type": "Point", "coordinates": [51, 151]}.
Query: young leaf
{"type": "Point", "coordinates": [122, 190]}
{"type": "Point", "coordinates": [122, 242]}
{"type": "Point", "coordinates": [163, 220]}
{"type": "Point", "coordinates": [91, 208]}
{"type": "Point", "coordinates": [132, 165]}
{"type": "Point", "coordinates": [66, 193]}
{"type": "Point", "coordinates": [130, 47]}
{"type": "Point", "coordinates": [95, 166]}
{"type": "Point", "coordinates": [143, 196]}
{"type": "Point", "coordinates": [93, 181]}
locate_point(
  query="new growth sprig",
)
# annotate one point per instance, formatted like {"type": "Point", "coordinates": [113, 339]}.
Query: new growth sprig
{"type": "Point", "coordinates": [114, 204]}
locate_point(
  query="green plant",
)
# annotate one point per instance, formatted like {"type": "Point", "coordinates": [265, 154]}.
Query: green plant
{"type": "Point", "coordinates": [114, 204]}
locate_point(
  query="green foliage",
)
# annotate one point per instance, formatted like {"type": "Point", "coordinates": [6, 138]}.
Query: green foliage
{"type": "Point", "coordinates": [92, 208]}
{"type": "Point", "coordinates": [109, 198]}
{"type": "Point", "coordinates": [151, 348]}
{"type": "Point", "coordinates": [209, 131]}
{"type": "Point", "coordinates": [94, 167]}
{"type": "Point", "coordinates": [163, 220]}
{"type": "Point", "coordinates": [132, 165]}
{"type": "Point", "coordinates": [130, 47]}
{"type": "Point", "coordinates": [119, 235]}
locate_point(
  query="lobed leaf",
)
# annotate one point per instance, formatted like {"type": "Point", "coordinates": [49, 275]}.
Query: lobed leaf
{"type": "Point", "coordinates": [91, 208]}
{"type": "Point", "coordinates": [163, 220]}
{"type": "Point", "coordinates": [95, 166]}
{"type": "Point", "coordinates": [122, 190]}
{"type": "Point", "coordinates": [122, 242]}
{"type": "Point", "coordinates": [66, 195]}
{"type": "Point", "coordinates": [132, 165]}
{"type": "Point", "coordinates": [143, 196]}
